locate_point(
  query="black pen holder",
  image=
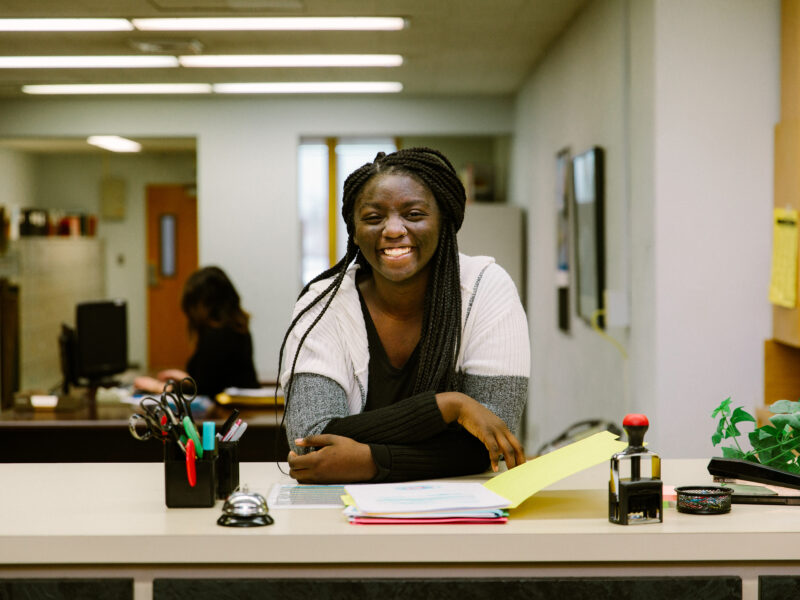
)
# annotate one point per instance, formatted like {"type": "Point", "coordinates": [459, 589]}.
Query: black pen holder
{"type": "Point", "coordinates": [178, 492]}
{"type": "Point", "coordinates": [227, 468]}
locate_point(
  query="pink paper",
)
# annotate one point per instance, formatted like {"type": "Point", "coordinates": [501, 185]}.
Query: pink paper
{"type": "Point", "coordinates": [434, 521]}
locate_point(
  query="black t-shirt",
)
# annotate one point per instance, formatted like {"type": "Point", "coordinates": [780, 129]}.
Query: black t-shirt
{"type": "Point", "coordinates": [223, 358]}
{"type": "Point", "coordinates": [406, 433]}
{"type": "Point", "coordinates": [387, 383]}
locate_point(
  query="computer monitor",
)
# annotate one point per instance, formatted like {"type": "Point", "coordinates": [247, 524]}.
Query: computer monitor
{"type": "Point", "coordinates": [67, 342]}
{"type": "Point", "coordinates": [101, 341]}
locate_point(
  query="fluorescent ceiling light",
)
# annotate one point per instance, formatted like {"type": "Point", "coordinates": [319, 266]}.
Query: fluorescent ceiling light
{"type": "Point", "coordinates": [272, 24]}
{"type": "Point", "coordinates": [324, 87]}
{"type": "Point", "coordinates": [119, 88]}
{"type": "Point", "coordinates": [65, 25]}
{"type": "Point", "coordinates": [292, 60]}
{"type": "Point", "coordinates": [114, 143]}
{"type": "Point", "coordinates": [87, 62]}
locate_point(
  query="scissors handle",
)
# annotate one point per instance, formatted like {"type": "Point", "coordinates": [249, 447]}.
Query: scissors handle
{"type": "Point", "coordinates": [194, 437]}
{"type": "Point", "coordinates": [143, 428]}
{"type": "Point", "coordinates": [191, 469]}
{"type": "Point", "coordinates": [174, 388]}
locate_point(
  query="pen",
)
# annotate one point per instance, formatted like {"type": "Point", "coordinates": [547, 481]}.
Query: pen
{"type": "Point", "coordinates": [238, 433]}
{"type": "Point", "coordinates": [229, 422]}
{"type": "Point", "coordinates": [232, 430]}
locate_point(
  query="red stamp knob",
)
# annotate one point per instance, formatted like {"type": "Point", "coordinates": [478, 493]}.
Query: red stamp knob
{"type": "Point", "coordinates": [634, 420]}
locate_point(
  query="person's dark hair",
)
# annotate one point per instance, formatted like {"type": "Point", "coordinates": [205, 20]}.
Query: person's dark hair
{"type": "Point", "coordinates": [441, 324]}
{"type": "Point", "coordinates": [210, 300]}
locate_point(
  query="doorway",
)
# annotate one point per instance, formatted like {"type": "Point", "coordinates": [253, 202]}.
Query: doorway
{"type": "Point", "coordinates": [171, 258]}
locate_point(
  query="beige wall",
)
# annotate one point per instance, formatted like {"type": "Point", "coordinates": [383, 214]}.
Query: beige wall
{"type": "Point", "coordinates": [683, 95]}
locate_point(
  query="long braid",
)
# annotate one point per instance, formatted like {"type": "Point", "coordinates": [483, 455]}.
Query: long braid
{"type": "Point", "coordinates": [439, 344]}
{"type": "Point", "coordinates": [439, 347]}
{"type": "Point", "coordinates": [339, 269]}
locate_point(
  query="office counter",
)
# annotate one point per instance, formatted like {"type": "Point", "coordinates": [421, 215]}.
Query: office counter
{"type": "Point", "coordinates": [109, 520]}
{"type": "Point", "coordinates": [100, 434]}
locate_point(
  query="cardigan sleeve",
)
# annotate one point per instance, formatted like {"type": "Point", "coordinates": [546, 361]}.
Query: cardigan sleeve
{"type": "Point", "coordinates": [318, 405]}
{"type": "Point", "coordinates": [452, 453]}
{"type": "Point", "coordinates": [408, 439]}
{"type": "Point", "coordinates": [494, 364]}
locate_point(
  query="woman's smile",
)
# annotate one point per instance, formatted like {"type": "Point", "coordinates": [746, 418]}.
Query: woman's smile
{"type": "Point", "coordinates": [397, 252]}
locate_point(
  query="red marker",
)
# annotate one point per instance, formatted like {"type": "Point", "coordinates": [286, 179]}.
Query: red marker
{"type": "Point", "coordinates": [191, 472]}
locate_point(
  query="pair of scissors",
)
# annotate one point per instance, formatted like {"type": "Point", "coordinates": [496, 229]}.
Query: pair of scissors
{"type": "Point", "coordinates": [144, 428]}
{"type": "Point", "coordinates": [183, 401]}
{"type": "Point", "coordinates": [157, 422]}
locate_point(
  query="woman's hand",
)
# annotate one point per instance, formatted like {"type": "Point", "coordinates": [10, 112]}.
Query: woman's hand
{"type": "Point", "coordinates": [337, 459]}
{"type": "Point", "coordinates": [148, 384]}
{"type": "Point", "coordinates": [175, 374]}
{"type": "Point", "coordinates": [484, 425]}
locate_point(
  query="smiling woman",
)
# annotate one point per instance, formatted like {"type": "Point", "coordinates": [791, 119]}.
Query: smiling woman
{"type": "Point", "coordinates": [406, 360]}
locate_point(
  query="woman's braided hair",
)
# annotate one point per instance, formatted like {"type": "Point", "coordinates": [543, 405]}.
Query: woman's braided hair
{"type": "Point", "coordinates": [441, 323]}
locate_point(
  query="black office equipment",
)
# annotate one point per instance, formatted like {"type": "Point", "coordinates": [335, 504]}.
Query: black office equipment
{"type": "Point", "coordinates": [102, 339]}
{"type": "Point", "coordinates": [733, 468]}
{"type": "Point", "coordinates": [635, 499]}
{"type": "Point", "coordinates": [97, 348]}
{"type": "Point", "coordinates": [67, 353]}
{"type": "Point", "coordinates": [179, 492]}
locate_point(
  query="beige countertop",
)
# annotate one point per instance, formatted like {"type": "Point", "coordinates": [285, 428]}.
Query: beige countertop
{"type": "Point", "coordinates": [115, 514]}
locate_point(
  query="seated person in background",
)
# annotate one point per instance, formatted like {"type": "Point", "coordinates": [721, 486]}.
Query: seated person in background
{"type": "Point", "coordinates": [406, 360]}
{"type": "Point", "coordinates": [223, 354]}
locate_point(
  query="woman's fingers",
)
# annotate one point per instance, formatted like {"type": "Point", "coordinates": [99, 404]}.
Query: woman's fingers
{"type": "Point", "coordinates": [333, 459]}
{"type": "Point", "coordinates": [495, 435]}
{"type": "Point", "coordinates": [315, 441]}
{"type": "Point", "coordinates": [519, 452]}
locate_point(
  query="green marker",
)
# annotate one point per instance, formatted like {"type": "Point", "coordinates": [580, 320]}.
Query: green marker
{"type": "Point", "coordinates": [190, 430]}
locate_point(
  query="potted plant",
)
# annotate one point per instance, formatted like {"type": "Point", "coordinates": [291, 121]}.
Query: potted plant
{"type": "Point", "coordinates": [774, 445]}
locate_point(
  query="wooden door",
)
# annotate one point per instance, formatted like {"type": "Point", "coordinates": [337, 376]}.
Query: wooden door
{"type": "Point", "coordinates": [171, 258]}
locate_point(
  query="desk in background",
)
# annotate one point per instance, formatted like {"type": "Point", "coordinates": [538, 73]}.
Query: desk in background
{"type": "Point", "coordinates": [89, 433]}
{"type": "Point", "coordinates": [109, 520]}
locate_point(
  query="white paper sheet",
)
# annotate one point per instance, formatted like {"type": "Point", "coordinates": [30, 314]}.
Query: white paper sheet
{"type": "Point", "coordinates": [423, 496]}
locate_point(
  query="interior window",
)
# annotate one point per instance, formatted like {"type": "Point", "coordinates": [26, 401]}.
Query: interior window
{"type": "Point", "coordinates": [321, 162]}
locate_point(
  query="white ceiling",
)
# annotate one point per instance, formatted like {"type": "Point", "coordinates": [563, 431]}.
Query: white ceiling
{"type": "Point", "coordinates": [451, 47]}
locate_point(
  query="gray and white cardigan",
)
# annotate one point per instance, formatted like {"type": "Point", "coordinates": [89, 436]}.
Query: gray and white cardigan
{"type": "Point", "coordinates": [493, 361]}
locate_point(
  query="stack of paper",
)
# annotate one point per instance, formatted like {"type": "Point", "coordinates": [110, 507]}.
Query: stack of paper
{"type": "Point", "coordinates": [259, 397]}
{"type": "Point", "coordinates": [471, 502]}
{"type": "Point", "coordinates": [424, 502]}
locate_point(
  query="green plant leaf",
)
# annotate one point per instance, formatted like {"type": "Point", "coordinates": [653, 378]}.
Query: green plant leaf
{"type": "Point", "coordinates": [766, 431]}
{"type": "Point", "coordinates": [759, 435]}
{"type": "Point", "coordinates": [785, 407]}
{"type": "Point", "coordinates": [729, 452]}
{"type": "Point", "coordinates": [740, 415]}
{"type": "Point", "coordinates": [760, 440]}
{"type": "Point", "coordinates": [731, 431]}
{"type": "Point", "coordinates": [792, 467]}
{"type": "Point", "coordinates": [780, 421]}
{"type": "Point", "coordinates": [723, 408]}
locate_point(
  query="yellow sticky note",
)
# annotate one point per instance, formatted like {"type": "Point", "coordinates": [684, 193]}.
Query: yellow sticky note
{"type": "Point", "coordinates": [783, 279]}
{"type": "Point", "coordinates": [522, 482]}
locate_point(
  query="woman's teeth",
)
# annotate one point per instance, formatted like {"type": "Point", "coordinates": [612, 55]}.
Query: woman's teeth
{"type": "Point", "coordinates": [396, 251]}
